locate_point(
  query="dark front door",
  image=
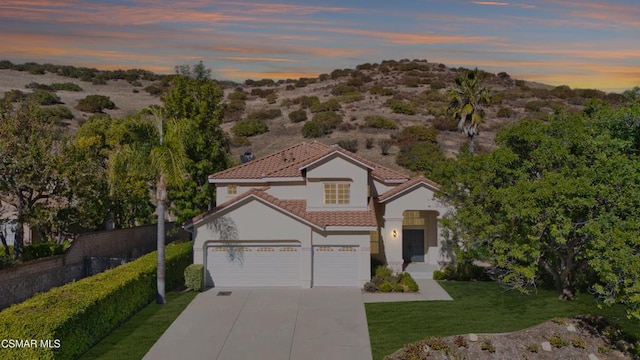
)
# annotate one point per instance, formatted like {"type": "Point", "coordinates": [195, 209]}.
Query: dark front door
{"type": "Point", "coordinates": [413, 245]}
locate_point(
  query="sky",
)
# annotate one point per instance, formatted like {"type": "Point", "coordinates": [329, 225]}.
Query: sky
{"type": "Point", "coordinates": [583, 44]}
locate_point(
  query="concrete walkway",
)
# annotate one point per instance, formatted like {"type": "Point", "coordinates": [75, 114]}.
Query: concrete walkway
{"type": "Point", "coordinates": [269, 323]}
{"type": "Point", "coordinates": [429, 290]}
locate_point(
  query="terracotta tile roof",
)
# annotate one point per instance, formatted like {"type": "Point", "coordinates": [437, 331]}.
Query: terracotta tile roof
{"type": "Point", "coordinates": [287, 163]}
{"type": "Point", "coordinates": [405, 186]}
{"type": "Point", "coordinates": [321, 219]}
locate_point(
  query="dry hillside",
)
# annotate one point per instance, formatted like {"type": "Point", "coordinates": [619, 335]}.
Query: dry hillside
{"type": "Point", "coordinates": [404, 92]}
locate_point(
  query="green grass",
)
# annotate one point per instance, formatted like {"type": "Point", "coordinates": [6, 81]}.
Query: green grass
{"type": "Point", "coordinates": [134, 338]}
{"type": "Point", "coordinates": [478, 307]}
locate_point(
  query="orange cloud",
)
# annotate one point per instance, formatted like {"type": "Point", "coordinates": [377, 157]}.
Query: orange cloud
{"type": "Point", "coordinates": [233, 73]}
{"type": "Point", "coordinates": [264, 59]}
{"type": "Point", "coordinates": [494, 3]}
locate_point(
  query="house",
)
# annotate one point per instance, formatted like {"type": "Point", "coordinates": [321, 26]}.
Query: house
{"type": "Point", "coordinates": [315, 215]}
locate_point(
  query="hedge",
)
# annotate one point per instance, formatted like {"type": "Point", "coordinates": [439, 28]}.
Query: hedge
{"type": "Point", "coordinates": [81, 313]}
{"type": "Point", "coordinates": [194, 277]}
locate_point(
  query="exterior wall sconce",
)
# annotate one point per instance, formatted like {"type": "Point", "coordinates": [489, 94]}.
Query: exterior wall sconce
{"type": "Point", "coordinates": [394, 233]}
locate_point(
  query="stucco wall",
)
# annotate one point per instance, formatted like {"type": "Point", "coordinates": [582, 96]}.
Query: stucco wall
{"type": "Point", "coordinates": [337, 169]}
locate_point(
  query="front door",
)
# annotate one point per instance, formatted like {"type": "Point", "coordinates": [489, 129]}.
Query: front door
{"type": "Point", "coordinates": [413, 245]}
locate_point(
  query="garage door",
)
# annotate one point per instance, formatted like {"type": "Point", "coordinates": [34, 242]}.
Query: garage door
{"type": "Point", "coordinates": [336, 266]}
{"type": "Point", "coordinates": [254, 265]}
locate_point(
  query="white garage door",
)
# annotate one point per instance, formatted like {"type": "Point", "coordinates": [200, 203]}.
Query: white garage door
{"type": "Point", "coordinates": [336, 266]}
{"type": "Point", "coordinates": [254, 265]}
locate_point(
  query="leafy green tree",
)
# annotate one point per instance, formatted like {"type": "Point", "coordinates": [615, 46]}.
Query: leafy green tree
{"type": "Point", "coordinates": [557, 200]}
{"type": "Point", "coordinates": [466, 101]}
{"type": "Point", "coordinates": [194, 96]}
{"type": "Point", "coordinates": [159, 159]}
{"type": "Point", "coordinates": [30, 181]}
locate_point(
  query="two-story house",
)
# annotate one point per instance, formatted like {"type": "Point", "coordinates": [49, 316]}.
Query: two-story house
{"type": "Point", "coordinates": [315, 215]}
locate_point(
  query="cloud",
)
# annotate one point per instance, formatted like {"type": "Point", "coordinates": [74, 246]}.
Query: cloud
{"type": "Point", "coordinates": [260, 59]}
{"type": "Point", "coordinates": [238, 74]}
{"type": "Point", "coordinates": [499, 3]}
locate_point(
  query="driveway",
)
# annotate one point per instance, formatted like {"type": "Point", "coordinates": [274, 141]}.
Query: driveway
{"type": "Point", "coordinates": [273, 323]}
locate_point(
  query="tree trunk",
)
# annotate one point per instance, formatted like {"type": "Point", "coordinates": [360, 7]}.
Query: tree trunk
{"type": "Point", "coordinates": [161, 198]}
{"type": "Point", "coordinates": [18, 242]}
{"type": "Point", "coordinates": [4, 245]}
{"type": "Point", "coordinates": [471, 144]}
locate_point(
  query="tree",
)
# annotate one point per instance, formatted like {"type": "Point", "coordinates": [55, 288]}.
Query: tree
{"type": "Point", "coordinates": [466, 101]}
{"type": "Point", "coordinates": [194, 96]}
{"type": "Point", "coordinates": [30, 180]}
{"type": "Point", "coordinates": [556, 201]}
{"type": "Point", "coordinates": [158, 158]}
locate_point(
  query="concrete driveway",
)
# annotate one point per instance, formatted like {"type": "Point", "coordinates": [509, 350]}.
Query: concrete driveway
{"type": "Point", "coordinates": [273, 323]}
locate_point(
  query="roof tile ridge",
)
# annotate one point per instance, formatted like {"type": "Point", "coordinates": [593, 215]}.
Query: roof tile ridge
{"type": "Point", "coordinates": [258, 160]}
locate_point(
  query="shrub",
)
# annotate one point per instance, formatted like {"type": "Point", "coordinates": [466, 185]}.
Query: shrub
{"type": "Point", "coordinates": [380, 122]}
{"type": "Point", "coordinates": [579, 343]}
{"type": "Point", "coordinates": [401, 107]}
{"type": "Point", "coordinates": [504, 113]}
{"type": "Point", "coordinates": [43, 97]}
{"type": "Point", "coordinates": [346, 127]}
{"type": "Point", "coordinates": [81, 313]}
{"type": "Point", "coordinates": [460, 341]}
{"type": "Point", "coordinates": [382, 272]}
{"type": "Point", "coordinates": [38, 86]}
{"type": "Point", "coordinates": [385, 146]}
{"type": "Point", "coordinates": [381, 90]}
{"type": "Point", "coordinates": [533, 347]}
{"type": "Point", "coordinates": [306, 102]}
{"type": "Point", "coordinates": [418, 133]}
{"type": "Point", "coordinates": [370, 287]}
{"type": "Point", "coordinates": [445, 123]}
{"type": "Point", "coordinates": [329, 105]}
{"type": "Point", "coordinates": [154, 90]}
{"type": "Point", "coordinates": [411, 81]}
{"type": "Point", "coordinates": [349, 145]}
{"type": "Point", "coordinates": [272, 98]}
{"type": "Point", "coordinates": [297, 116]}
{"type": "Point", "coordinates": [98, 81]}
{"type": "Point", "coordinates": [369, 143]}
{"type": "Point", "coordinates": [437, 85]}
{"type": "Point", "coordinates": [95, 104]}
{"type": "Point", "coordinates": [386, 287]}
{"type": "Point", "coordinates": [237, 95]}
{"type": "Point", "coordinates": [343, 89]}
{"type": "Point", "coordinates": [314, 129]}
{"type": "Point", "coordinates": [436, 343]}
{"type": "Point", "coordinates": [239, 141]}
{"type": "Point", "coordinates": [249, 127]}
{"type": "Point", "coordinates": [57, 113]}
{"type": "Point", "coordinates": [14, 96]}
{"type": "Point", "coordinates": [409, 282]}
{"type": "Point", "coordinates": [233, 110]}
{"type": "Point", "coordinates": [438, 275]}
{"type": "Point", "coordinates": [533, 106]}
{"type": "Point", "coordinates": [265, 114]}
{"type": "Point", "coordinates": [487, 346]}
{"type": "Point", "coordinates": [558, 341]}
{"type": "Point", "coordinates": [351, 97]}
{"type": "Point", "coordinates": [194, 277]}
{"type": "Point", "coordinates": [329, 118]}
{"type": "Point", "coordinates": [7, 260]}
{"type": "Point", "coordinates": [420, 156]}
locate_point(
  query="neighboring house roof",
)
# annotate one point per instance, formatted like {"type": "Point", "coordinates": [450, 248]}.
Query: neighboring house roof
{"type": "Point", "coordinates": [406, 187]}
{"type": "Point", "coordinates": [297, 208]}
{"type": "Point", "coordinates": [289, 163]}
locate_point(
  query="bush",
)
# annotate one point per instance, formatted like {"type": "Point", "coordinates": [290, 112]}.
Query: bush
{"type": "Point", "coordinates": [381, 90]}
{"type": "Point", "coordinates": [416, 133]}
{"type": "Point", "coordinates": [38, 86]}
{"type": "Point", "coordinates": [14, 96]}
{"type": "Point", "coordinates": [95, 104]}
{"type": "Point", "coordinates": [314, 129]}
{"type": "Point", "coordinates": [401, 107]}
{"type": "Point", "coordinates": [154, 90]}
{"type": "Point", "coordinates": [265, 114]}
{"type": "Point", "coordinates": [386, 287]}
{"type": "Point", "coordinates": [237, 95]}
{"type": "Point", "coordinates": [272, 98]}
{"type": "Point", "coordinates": [533, 106]}
{"type": "Point", "coordinates": [238, 141]}
{"type": "Point", "coordinates": [306, 102]}
{"type": "Point", "coordinates": [437, 85]}
{"type": "Point", "coordinates": [420, 156]}
{"type": "Point", "coordinates": [351, 97]}
{"type": "Point", "coordinates": [438, 275]}
{"type": "Point", "coordinates": [380, 122]}
{"type": "Point", "coordinates": [408, 281]}
{"type": "Point", "coordinates": [81, 313]}
{"type": "Point", "coordinates": [369, 143]}
{"type": "Point", "coordinates": [329, 118]}
{"type": "Point", "coordinates": [349, 145]}
{"type": "Point", "coordinates": [297, 116]}
{"type": "Point", "coordinates": [370, 287]}
{"type": "Point", "coordinates": [504, 113]}
{"type": "Point", "coordinates": [194, 277]}
{"type": "Point", "coordinates": [68, 86]}
{"type": "Point", "coordinates": [57, 113]}
{"type": "Point", "coordinates": [329, 105]}
{"type": "Point", "coordinates": [385, 146]}
{"type": "Point", "coordinates": [249, 127]}
{"type": "Point", "coordinates": [343, 89]}
{"type": "Point", "coordinates": [445, 123]}
{"type": "Point", "coordinates": [43, 97]}
{"type": "Point", "coordinates": [382, 272]}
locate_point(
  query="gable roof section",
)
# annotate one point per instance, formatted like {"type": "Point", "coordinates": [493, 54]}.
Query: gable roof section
{"type": "Point", "coordinates": [297, 209]}
{"type": "Point", "coordinates": [406, 187]}
{"type": "Point", "coordinates": [287, 164]}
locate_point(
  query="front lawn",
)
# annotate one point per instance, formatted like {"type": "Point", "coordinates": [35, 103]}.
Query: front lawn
{"type": "Point", "coordinates": [478, 307]}
{"type": "Point", "coordinates": [134, 338]}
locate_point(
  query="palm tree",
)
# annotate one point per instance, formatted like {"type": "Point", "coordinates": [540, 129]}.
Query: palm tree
{"type": "Point", "coordinates": [465, 102]}
{"type": "Point", "coordinates": [153, 150]}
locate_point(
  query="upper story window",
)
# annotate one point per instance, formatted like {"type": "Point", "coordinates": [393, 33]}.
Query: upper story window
{"type": "Point", "coordinates": [232, 189]}
{"type": "Point", "coordinates": [336, 193]}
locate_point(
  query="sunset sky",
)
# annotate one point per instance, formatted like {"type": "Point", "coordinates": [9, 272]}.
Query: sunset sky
{"type": "Point", "coordinates": [592, 44]}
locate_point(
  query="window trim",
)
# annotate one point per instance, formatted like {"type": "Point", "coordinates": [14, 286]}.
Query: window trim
{"type": "Point", "coordinates": [336, 193]}
{"type": "Point", "coordinates": [232, 189]}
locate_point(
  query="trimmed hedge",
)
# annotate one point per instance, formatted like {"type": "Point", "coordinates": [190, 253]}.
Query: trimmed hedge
{"type": "Point", "coordinates": [194, 277]}
{"type": "Point", "coordinates": [81, 313]}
